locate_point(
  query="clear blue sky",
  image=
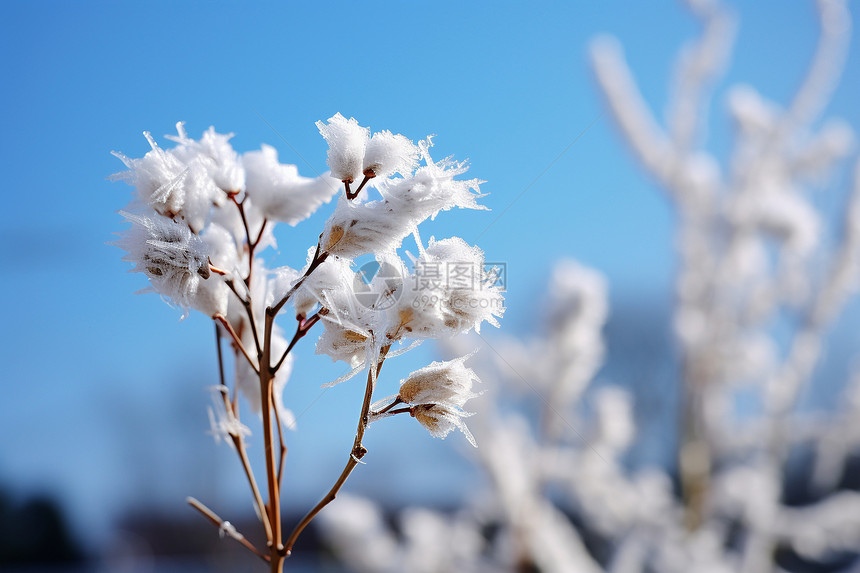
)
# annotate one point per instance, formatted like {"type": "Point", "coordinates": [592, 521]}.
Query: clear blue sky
{"type": "Point", "coordinates": [104, 391]}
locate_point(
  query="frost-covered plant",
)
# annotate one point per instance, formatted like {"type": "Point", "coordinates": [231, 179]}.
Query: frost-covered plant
{"type": "Point", "coordinates": [201, 215]}
{"type": "Point", "coordinates": [763, 273]}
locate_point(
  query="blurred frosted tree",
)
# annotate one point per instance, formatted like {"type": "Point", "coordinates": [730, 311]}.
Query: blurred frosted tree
{"type": "Point", "coordinates": [763, 273]}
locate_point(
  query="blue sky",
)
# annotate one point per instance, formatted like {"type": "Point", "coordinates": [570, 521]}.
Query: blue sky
{"type": "Point", "coordinates": [104, 390]}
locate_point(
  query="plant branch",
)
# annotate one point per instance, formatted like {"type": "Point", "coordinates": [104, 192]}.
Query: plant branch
{"type": "Point", "coordinates": [266, 380]}
{"type": "Point", "coordinates": [250, 313]}
{"type": "Point", "coordinates": [220, 318]}
{"type": "Point", "coordinates": [356, 453]}
{"type": "Point", "coordinates": [303, 327]}
{"type": "Point", "coordinates": [389, 407]}
{"type": "Point", "coordinates": [238, 441]}
{"type": "Point", "coordinates": [319, 258]}
{"type": "Point", "coordinates": [226, 527]}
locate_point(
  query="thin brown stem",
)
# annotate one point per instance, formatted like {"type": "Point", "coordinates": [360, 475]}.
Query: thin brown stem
{"type": "Point", "coordinates": [223, 525]}
{"type": "Point", "coordinates": [250, 313]}
{"type": "Point", "coordinates": [276, 549]}
{"type": "Point", "coordinates": [238, 441]}
{"type": "Point", "coordinates": [368, 175]}
{"type": "Point", "coordinates": [302, 328]}
{"type": "Point", "coordinates": [283, 454]}
{"type": "Point", "coordinates": [319, 258]}
{"type": "Point", "coordinates": [407, 410]}
{"type": "Point", "coordinates": [389, 407]}
{"type": "Point", "coordinates": [237, 340]}
{"type": "Point", "coordinates": [220, 356]}
{"type": "Point", "coordinates": [356, 453]}
{"type": "Point", "coordinates": [260, 234]}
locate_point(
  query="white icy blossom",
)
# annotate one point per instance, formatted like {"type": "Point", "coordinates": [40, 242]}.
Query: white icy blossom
{"type": "Point", "coordinates": [214, 152]}
{"type": "Point", "coordinates": [459, 299]}
{"type": "Point", "coordinates": [223, 253]}
{"type": "Point", "coordinates": [441, 419]}
{"type": "Point", "coordinates": [182, 190]}
{"type": "Point", "coordinates": [279, 191]}
{"type": "Point", "coordinates": [359, 314]}
{"type": "Point", "coordinates": [432, 188]}
{"type": "Point", "coordinates": [388, 153]}
{"type": "Point", "coordinates": [347, 142]}
{"type": "Point", "coordinates": [175, 260]}
{"type": "Point", "coordinates": [356, 229]}
{"type": "Point", "coordinates": [322, 286]}
{"type": "Point", "coordinates": [448, 382]}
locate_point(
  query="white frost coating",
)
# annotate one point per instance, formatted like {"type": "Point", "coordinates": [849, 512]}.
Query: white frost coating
{"type": "Point", "coordinates": [178, 188]}
{"type": "Point", "coordinates": [175, 260]}
{"type": "Point", "coordinates": [347, 142]}
{"type": "Point", "coordinates": [280, 192]}
{"type": "Point", "coordinates": [388, 153]}
{"type": "Point", "coordinates": [216, 155]}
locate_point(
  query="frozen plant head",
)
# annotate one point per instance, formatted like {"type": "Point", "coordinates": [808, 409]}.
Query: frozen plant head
{"type": "Point", "coordinates": [279, 191]}
{"type": "Point", "coordinates": [175, 184]}
{"type": "Point", "coordinates": [388, 153]}
{"type": "Point", "coordinates": [447, 382]}
{"type": "Point", "coordinates": [347, 142]}
{"type": "Point", "coordinates": [175, 260]}
{"type": "Point", "coordinates": [441, 419]}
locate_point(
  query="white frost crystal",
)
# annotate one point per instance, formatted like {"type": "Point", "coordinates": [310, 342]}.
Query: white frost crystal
{"type": "Point", "coordinates": [438, 392]}
{"type": "Point", "coordinates": [347, 142]}
{"type": "Point", "coordinates": [177, 187]}
{"type": "Point", "coordinates": [278, 189]}
{"type": "Point", "coordinates": [388, 153]}
{"type": "Point", "coordinates": [441, 419]}
{"type": "Point", "coordinates": [175, 260]}
{"type": "Point", "coordinates": [448, 382]}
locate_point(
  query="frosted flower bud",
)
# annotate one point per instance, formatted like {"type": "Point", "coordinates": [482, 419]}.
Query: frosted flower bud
{"type": "Point", "coordinates": [181, 190]}
{"type": "Point", "coordinates": [387, 154]}
{"type": "Point", "coordinates": [440, 420]}
{"type": "Point", "coordinates": [356, 229]}
{"type": "Point", "coordinates": [448, 382]}
{"type": "Point", "coordinates": [223, 252]}
{"type": "Point", "coordinates": [341, 342]}
{"type": "Point", "coordinates": [278, 189]}
{"type": "Point", "coordinates": [347, 142]}
{"type": "Point", "coordinates": [333, 275]}
{"type": "Point", "coordinates": [175, 260]}
{"type": "Point", "coordinates": [215, 153]}
{"type": "Point", "coordinates": [471, 295]}
{"type": "Point", "coordinates": [433, 188]}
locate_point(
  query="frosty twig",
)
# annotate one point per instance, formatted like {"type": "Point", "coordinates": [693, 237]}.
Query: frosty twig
{"type": "Point", "coordinates": [203, 213]}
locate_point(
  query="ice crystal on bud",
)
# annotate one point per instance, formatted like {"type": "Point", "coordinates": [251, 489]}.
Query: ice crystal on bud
{"type": "Point", "coordinates": [388, 153]}
{"type": "Point", "coordinates": [175, 260]}
{"type": "Point", "coordinates": [278, 189]}
{"type": "Point", "coordinates": [216, 155]}
{"type": "Point", "coordinates": [441, 419]}
{"type": "Point", "coordinates": [438, 392]}
{"type": "Point", "coordinates": [177, 189]}
{"type": "Point", "coordinates": [467, 297]}
{"type": "Point", "coordinates": [432, 188]}
{"type": "Point", "coordinates": [347, 142]}
{"type": "Point", "coordinates": [448, 382]}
